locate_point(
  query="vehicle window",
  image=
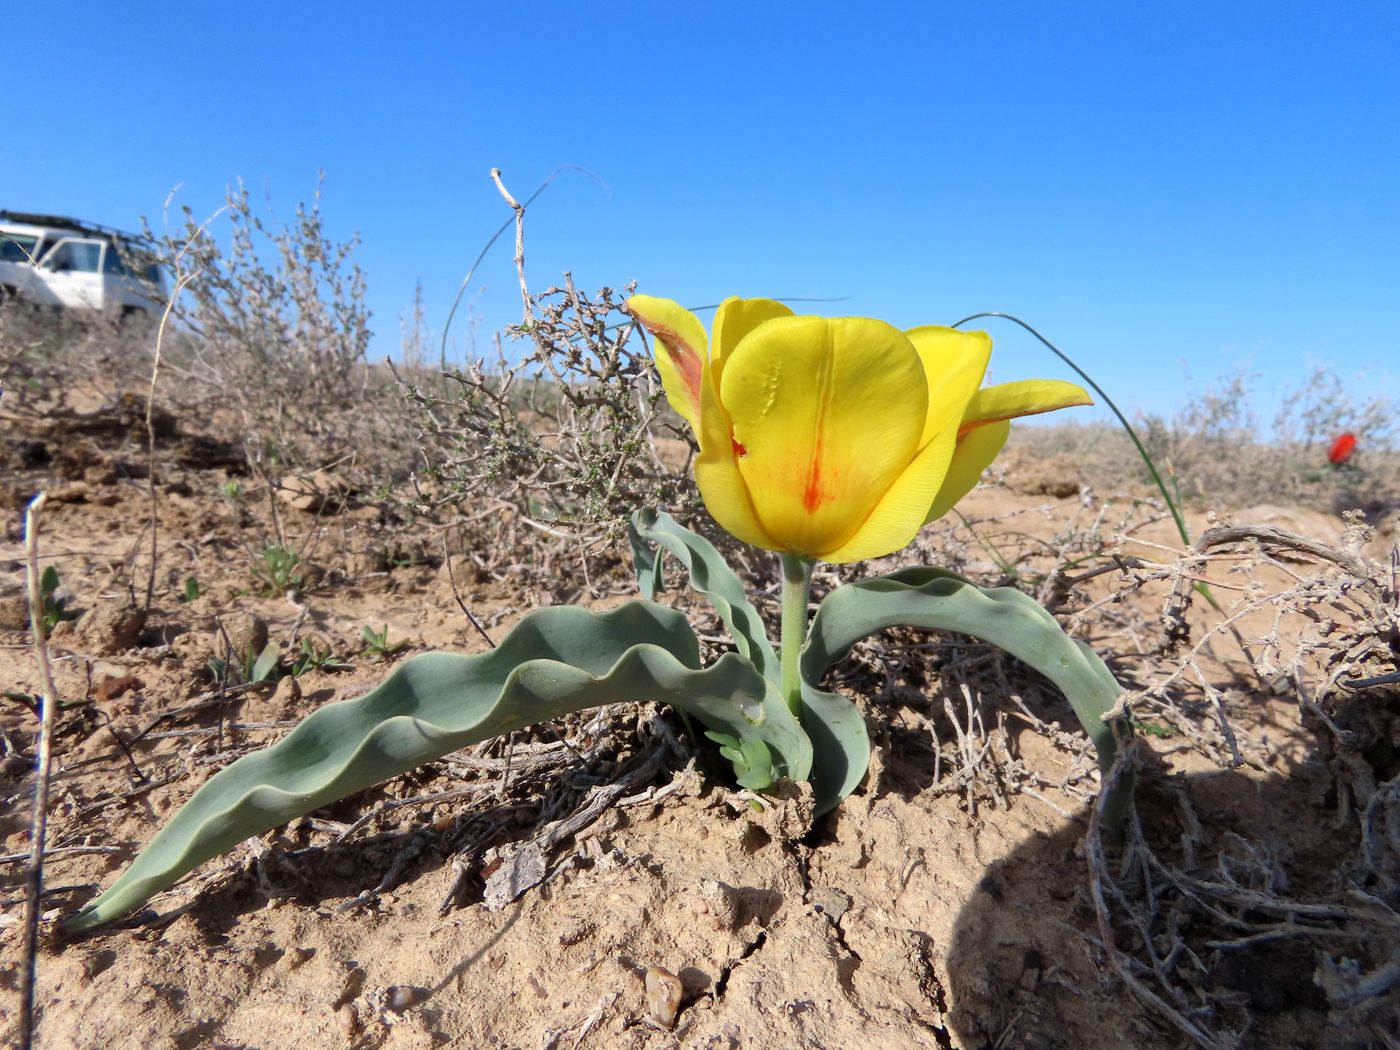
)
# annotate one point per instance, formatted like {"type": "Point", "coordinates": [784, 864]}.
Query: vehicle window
{"type": "Point", "coordinates": [18, 247]}
{"type": "Point", "coordinates": [75, 256]}
{"type": "Point", "coordinates": [112, 261]}
{"type": "Point", "coordinates": [140, 263]}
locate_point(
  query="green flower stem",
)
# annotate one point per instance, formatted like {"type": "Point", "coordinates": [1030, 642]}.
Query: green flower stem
{"type": "Point", "coordinates": [797, 586]}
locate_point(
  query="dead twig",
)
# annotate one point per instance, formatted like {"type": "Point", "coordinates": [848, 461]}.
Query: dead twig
{"type": "Point", "coordinates": [182, 278]}
{"type": "Point", "coordinates": [457, 596]}
{"type": "Point", "coordinates": [38, 826]}
{"type": "Point", "coordinates": [1126, 763]}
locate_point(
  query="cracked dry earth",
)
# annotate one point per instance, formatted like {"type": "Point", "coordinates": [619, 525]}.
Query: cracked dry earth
{"type": "Point", "coordinates": [907, 918]}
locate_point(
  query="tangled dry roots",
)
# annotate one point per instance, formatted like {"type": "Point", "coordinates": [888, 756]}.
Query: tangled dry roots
{"type": "Point", "coordinates": [1204, 926]}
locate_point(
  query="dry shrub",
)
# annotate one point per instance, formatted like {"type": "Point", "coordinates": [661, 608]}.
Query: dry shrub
{"type": "Point", "coordinates": [1217, 453]}
{"type": "Point", "coordinates": [571, 434]}
{"type": "Point", "coordinates": [50, 359]}
{"type": "Point", "coordinates": [1331, 644]}
{"type": "Point", "coordinates": [272, 327]}
{"type": "Point", "coordinates": [1216, 920]}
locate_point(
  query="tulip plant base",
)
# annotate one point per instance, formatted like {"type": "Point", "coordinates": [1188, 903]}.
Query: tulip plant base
{"type": "Point", "coordinates": [927, 913]}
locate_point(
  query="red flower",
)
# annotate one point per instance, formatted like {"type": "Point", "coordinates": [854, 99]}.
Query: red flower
{"type": "Point", "coordinates": [1342, 449]}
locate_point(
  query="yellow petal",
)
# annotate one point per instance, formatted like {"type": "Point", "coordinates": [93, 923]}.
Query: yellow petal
{"type": "Point", "coordinates": [826, 415]}
{"type": "Point", "coordinates": [898, 517]}
{"type": "Point", "coordinates": [954, 362]}
{"type": "Point", "coordinates": [1026, 397]}
{"type": "Point", "coordinates": [975, 452]}
{"type": "Point", "coordinates": [735, 319]}
{"type": "Point", "coordinates": [680, 354]}
{"type": "Point", "coordinates": [717, 472]}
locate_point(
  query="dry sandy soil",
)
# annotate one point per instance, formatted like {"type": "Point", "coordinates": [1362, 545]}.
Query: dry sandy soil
{"type": "Point", "coordinates": [946, 904]}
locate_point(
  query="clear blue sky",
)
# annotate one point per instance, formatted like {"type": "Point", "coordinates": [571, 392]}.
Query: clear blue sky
{"type": "Point", "coordinates": [1170, 191]}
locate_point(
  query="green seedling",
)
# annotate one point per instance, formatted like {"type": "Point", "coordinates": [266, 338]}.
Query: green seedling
{"type": "Point", "coordinates": [232, 491]}
{"type": "Point", "coordinates": [54, 607]}
{"type": "Point", "coordinates": [191, 589]}
{"type": "Point", "coordinates": [313, 657]}
{"type": "Point", "coordinates": [753, 764]}
{"type": "Point", "coordinates": [253, 667]}
{"type": "Point", "coordinates": [377, 644]}
{"type": "Point", "coordinates": [276, 569]}
{"type": "Point", "coordinates": [1157, 729]}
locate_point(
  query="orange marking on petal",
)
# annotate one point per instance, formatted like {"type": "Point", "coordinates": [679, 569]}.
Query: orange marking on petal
{"type": "Point", "coordinates": [739, 450]}
{"type": "Point", "coordinates": [687, 361]}
{"type": "Point", "coordinates": [815, 494]}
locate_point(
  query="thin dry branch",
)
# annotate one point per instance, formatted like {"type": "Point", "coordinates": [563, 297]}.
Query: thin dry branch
{"type": "Point", "coordinates": [38, 825]}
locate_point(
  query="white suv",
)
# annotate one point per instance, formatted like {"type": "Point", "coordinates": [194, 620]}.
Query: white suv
{"type": "Point", "coordinates": [48, 260]}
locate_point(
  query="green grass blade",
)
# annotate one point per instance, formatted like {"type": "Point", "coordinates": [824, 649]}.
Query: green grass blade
{"type": "Point", "coordinates": [266, 663]}
{"type": "Point", "coordinates": [1172, 504]}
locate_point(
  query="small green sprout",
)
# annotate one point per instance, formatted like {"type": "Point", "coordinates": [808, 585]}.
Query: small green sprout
{"type": "Point", "coordinates": [55, 607]}
{"type": "Point", "coordinates": [377, 644]}
{"type": "Point", "coordinates": [753, 763]}
{"type": "Point", "coordinates": [253, 667]}
{"type": "Point", "coordinates": [314, 657]}
{"type": "Point", "coordinates": [191, 589]}
{"type": "Point", "coordinates": [276, 569]}
{"type": "Point", "coordinates": [1158, 729]}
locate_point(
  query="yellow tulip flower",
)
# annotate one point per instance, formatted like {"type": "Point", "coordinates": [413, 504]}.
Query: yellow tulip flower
{"type": "Point", "coordinates": [834, 439]}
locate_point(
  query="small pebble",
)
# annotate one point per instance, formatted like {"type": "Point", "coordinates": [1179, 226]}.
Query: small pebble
{"type": "Point", "coordinates": [348, 1018]}
{"type": "Point", "coordinates": [298, 957]}
{"type": "Point", "coordinates": [403, 997]}
{"type": "Point", "coordinates": [664, 992]}
{"type": "Point", "coordinates": [352, 983]}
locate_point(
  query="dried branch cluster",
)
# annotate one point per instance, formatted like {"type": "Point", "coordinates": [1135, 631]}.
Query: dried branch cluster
{"type": "Point", "coordinates": [1217, 445]}
{"type": "Point", "coordinates": [1198, 915]}
{"type": "Point", "coordinates": [572, 434]}
{"type": "Point", "coordinates": [1331, 639]}
{"type": "Point", "coordinates": [50, 359]}
{"type": "Point", "coordinates": [274, 326]}
{"type": "Point", "coordinates": [296, 325]}
{"type": "Point", "coordinates": [1187, 909]}
{"type": "Point", "coordinates": [1204, 928]}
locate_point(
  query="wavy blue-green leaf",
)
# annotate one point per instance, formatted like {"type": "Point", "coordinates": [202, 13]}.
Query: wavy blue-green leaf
{"type": "Point", "coordinates": [933, 598]}
{"type": "Point", "coordinates": [840, 745]}
{"type": "Point", "coordinates": [710, 575]}
{"type": "Point", "coordinates": [554, 662]}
